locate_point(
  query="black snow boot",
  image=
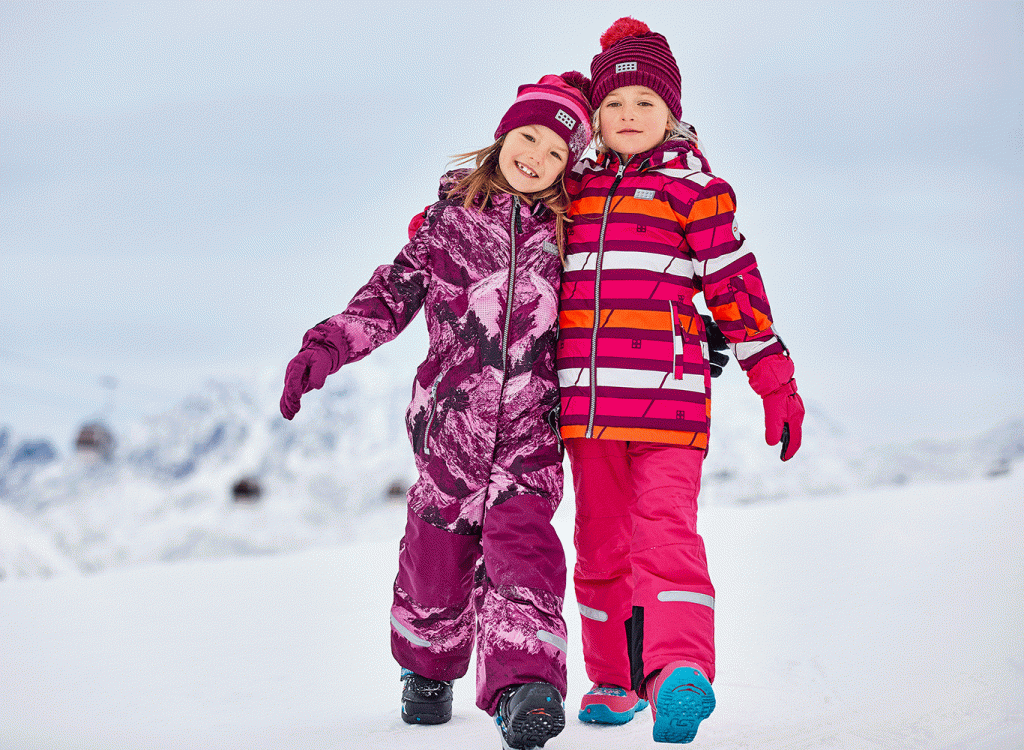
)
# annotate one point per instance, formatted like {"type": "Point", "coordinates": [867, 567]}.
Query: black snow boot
{"type": "Point", "coordinates": [425, 701]}
{"type": "Point", "coordinates": [529, 715]}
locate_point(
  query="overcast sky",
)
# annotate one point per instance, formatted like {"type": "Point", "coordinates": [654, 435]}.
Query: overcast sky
{"type": "Point", "coordinates": [185, 188]}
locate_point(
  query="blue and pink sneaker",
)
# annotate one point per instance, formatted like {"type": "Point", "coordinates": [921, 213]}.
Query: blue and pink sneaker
{"type": "Point", "coordinates": [681, 698]}
{"type": "Point", "coordinates": [610, 704]}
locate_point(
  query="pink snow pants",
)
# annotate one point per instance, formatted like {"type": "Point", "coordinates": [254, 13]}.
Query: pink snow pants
{"type": "Point", "coordinates": [641, 572]}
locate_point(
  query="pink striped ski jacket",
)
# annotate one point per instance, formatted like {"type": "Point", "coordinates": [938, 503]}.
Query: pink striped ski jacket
{"type": "Point", "coordinates": [647, 235]}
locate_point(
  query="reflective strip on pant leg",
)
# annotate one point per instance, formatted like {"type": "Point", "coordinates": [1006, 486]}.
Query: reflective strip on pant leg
{"type": "Point", "coordinates": [593, 614]}
{"type": "Point", "coordinates": [554, 640]}
{"type": "Point", "coordinates": [687, 596]}
{"type": "Point", "coordinates": [408, 634]}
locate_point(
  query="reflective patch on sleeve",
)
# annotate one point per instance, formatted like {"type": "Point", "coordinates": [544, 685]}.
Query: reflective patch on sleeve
{"type": "Point", "coordinates": [408, 634]}
{"type": "Point", "coordinates": [593, 614]}
{"type": "Point", "coordinates": [687, 596]}
{"type": "Point", "coordinates": [554, 640]}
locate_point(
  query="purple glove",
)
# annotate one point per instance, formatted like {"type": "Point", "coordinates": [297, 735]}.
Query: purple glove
{"type": "Point", "coordinates": [320, 356]}
{"type": "Point", "coordinates": [772, 380]}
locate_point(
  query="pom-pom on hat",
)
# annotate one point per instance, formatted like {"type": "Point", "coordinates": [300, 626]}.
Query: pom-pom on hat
{"type": "Point", "coordinates": [633, 55]}
{"type": "Point", "coordinates": [559, 102]}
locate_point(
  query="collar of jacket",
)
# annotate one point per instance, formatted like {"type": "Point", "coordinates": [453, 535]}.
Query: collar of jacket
{"type": "Point", "coordinates": [659, 156]}
{"type": "Point", "coordinates": [537, 210]}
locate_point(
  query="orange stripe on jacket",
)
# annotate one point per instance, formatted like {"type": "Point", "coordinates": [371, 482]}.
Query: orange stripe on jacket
{"type": "Point", "coordinates": [711, 206]}
{"type": "Point", "coordinates": [697, 440]}
{"type": "Point", "coordinates": [648, 320]}
{"type": "Point", "coordinates": [580, 318]}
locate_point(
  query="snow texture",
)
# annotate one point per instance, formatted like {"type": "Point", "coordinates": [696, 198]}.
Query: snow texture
{"type": "Point", "coordinates": [868, 596]}
{"type": "Point", "coordinates": [885, 618]}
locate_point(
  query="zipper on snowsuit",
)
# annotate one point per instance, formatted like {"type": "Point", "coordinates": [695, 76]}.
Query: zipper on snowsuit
{"type": "Point", "coordinates": [433, 413]}
{"type": "Point", "coordinates": [597, 298]}
{"type": "Point", "coordinates": [515, 225]}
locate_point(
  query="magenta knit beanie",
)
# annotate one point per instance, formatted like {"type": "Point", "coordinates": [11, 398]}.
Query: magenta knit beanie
{"type": "Point", "coordinates": [558, 102]}
{"type": "Point", "coordinates": [633, 55]}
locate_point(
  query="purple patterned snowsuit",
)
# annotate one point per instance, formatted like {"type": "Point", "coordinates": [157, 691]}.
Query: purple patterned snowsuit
{"type": "Point", "coordinates": [483, 426]}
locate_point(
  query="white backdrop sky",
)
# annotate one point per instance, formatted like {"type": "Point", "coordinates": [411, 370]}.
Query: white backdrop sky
{"type": "Point", "coordinates": [186, 187]}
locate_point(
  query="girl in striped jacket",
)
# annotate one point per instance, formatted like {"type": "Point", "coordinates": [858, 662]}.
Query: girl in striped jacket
{"type": "Point", "coordinates": [651, 228]}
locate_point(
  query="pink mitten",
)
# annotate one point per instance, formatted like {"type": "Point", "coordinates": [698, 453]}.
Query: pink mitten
{"type": "Point", "coordinates": [772, 380]}
{"type": "Point", "coordinates": [318, 358]}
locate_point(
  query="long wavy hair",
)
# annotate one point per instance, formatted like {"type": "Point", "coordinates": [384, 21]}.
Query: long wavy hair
{"type": "Point", "coordinates": [486, 179]}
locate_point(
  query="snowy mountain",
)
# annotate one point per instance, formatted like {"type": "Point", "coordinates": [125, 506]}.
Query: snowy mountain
{"type": "Point", "coordinates": [168, 491]}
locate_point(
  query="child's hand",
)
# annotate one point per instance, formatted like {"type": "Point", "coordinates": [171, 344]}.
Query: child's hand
{"type": "Point", "coordinates": [717, 346]}
{"type": "Point", "coordinates": [772, 379]}
{"type": "Point", "coordinates": [318, 358]}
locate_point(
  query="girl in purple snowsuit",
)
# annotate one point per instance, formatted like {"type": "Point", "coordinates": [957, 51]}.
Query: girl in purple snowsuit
{"type": "Point", "coordinates": [480, 559]}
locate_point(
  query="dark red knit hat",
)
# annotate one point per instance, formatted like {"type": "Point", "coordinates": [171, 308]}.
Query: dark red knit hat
{"type": "Point", "coordinates": [633, 55]}
{"type": "Point", "coordinates": [558, 102]}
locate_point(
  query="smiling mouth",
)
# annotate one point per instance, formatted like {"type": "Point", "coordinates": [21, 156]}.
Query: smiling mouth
{"type": "Point", "coordinates": [629, 131]}
{"type": "Point", "coordinates": [525, 169]}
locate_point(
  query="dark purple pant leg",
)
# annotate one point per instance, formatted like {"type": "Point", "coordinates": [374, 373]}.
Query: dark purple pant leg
{"type": "Point", "coordinates": [432, 616]}
{"type": "Point", "coordinates": [522, 631]}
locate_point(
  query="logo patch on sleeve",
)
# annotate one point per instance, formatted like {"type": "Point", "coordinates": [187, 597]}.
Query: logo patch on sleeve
{"type": "Point", "coordinates": [642, 194]}
{"type": "Point", "coordinates": [736, 229]}
{"type": "Point", "coordinates": [550, 247]}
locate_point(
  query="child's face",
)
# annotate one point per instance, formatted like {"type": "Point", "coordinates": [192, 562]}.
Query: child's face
{"type": "Point", "coordinates": [633, 119]}
{"type": "Point", "coordinates": [532, 158]}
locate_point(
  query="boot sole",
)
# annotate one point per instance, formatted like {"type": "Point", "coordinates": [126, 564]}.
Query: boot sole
{"type": "Point", "coordinates": [535, 724]}
{"type": "Point", "coordinates": [684, 700]}
{"type": "Point", "coordinates": [426, 713]}
{"type": "Point", "coordinates": [598, 713]}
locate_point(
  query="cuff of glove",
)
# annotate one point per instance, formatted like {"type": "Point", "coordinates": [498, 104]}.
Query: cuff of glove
{"type": "Point", "coordinates": [329, 338]}
{"type": "Point", "coordinates": [771, 374]}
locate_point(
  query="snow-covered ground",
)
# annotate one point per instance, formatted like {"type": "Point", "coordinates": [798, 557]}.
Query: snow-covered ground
{"type": "Point", "coordinates": [869, 595]}
{"type": "Point", "coordinates": [885, 618]}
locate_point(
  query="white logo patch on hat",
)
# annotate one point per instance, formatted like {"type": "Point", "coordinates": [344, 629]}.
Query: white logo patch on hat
{"type": "Point", "coordinates": [566, 119]}
{"type": "Point", "coordinates": [626, 67]}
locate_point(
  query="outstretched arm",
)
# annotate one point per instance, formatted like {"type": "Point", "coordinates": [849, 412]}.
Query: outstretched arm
{"type": "Point", "coordinates": [378, 312]}
{"type": "Point", "coordinates": [735, 296]}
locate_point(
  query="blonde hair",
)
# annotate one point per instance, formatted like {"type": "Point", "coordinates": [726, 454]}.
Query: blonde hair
{"type": "Point", "coordinates": [677, 131]}
{"type": "Point", "coordinates": [486, 179]}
